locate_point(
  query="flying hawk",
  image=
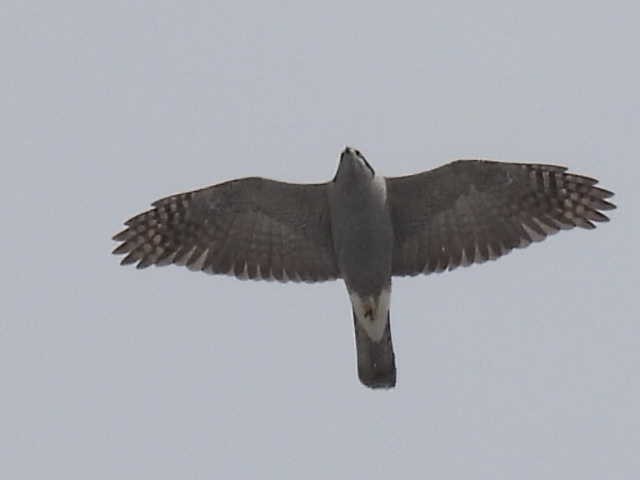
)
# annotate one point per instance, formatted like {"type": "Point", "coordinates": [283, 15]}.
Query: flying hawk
{"type": "Point", "coordinates": [363, 228]}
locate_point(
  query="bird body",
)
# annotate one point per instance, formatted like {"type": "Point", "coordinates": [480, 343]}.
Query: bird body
{"type": "Point", "coordinates": [364, 229]}
{"type": "Point", "coordinates": [363, 242]}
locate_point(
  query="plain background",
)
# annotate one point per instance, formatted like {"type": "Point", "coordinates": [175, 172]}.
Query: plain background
{"type": "Point", "coordinates": [523, 368]}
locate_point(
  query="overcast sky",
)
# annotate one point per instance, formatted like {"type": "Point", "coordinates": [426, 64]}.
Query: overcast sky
{"type": "Point", "coordinates": [522, 368]}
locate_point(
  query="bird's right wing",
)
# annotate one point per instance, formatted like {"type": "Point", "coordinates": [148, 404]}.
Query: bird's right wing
{"type": "Point", "coordinates": [252, 228]}
{"type": "Point", "coordinates": [470, 211]}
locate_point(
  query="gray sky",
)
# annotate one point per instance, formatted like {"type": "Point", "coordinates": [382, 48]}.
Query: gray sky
{"type": "Point", "coordinates": [522, 368]}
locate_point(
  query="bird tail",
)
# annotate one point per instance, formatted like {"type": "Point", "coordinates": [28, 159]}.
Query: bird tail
{"type": "Point", "coordinates": [376, 360]}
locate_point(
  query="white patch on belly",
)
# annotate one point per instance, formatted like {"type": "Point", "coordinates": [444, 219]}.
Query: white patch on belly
{"type": "Point", "coordinates": [371, 312]}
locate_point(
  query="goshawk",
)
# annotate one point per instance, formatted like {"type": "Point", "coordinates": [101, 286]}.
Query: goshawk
{"type": "Point", "coordinates": [363, 228]}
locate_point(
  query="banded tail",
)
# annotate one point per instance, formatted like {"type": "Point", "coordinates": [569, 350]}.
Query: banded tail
{"type": "Point", "coordinates": [376, 360]}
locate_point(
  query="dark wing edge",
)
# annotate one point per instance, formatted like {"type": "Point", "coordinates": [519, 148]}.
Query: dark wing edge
{"type": "Point", "coordinates": [471, 211]}
{"type": "Point", "coordinates": [251, 228]}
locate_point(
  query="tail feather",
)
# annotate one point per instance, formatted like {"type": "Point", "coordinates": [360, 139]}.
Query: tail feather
{"type": "Point", "coordinates": [376, 360]}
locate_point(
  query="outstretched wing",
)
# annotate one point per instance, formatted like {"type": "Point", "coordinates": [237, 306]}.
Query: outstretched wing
{"type": "Point", "coordinates": [252, 228]}
{"type": "Point", "coordinates": [470, 211]}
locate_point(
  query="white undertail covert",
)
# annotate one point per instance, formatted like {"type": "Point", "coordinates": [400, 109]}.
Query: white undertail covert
{"type": "Point", "coordinates": [372, 312]}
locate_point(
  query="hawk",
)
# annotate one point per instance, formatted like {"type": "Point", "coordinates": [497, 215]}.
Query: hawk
{"type": "Point", "coordinates": [363, 228]}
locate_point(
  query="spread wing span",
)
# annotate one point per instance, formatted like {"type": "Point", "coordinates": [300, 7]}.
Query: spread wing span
{"type": "Point", "coordinates": [251, 228]}
{"type": "Point", "coordinates": [470, 211]}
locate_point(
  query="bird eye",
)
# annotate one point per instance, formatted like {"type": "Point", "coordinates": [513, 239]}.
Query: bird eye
{"type": "Point", "coordinates": [358, 153]}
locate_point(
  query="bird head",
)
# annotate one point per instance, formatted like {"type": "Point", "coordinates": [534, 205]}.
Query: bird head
{"type": "Point", "coordinates": [353, 163]}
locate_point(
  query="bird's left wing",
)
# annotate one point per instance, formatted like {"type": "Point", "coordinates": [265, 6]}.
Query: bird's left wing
{"type": "Point", "coordinates": [252, 228]}
{"type": "Point", "coordinates": [470, 211]}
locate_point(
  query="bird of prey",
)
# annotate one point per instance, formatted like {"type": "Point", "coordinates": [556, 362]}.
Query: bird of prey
{"type": "Point", "coordinates": [363, 228]}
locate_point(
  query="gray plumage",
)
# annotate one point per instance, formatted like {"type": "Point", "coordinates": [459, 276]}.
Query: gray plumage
{"type": "Point", "coordinates": [363, 228]}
